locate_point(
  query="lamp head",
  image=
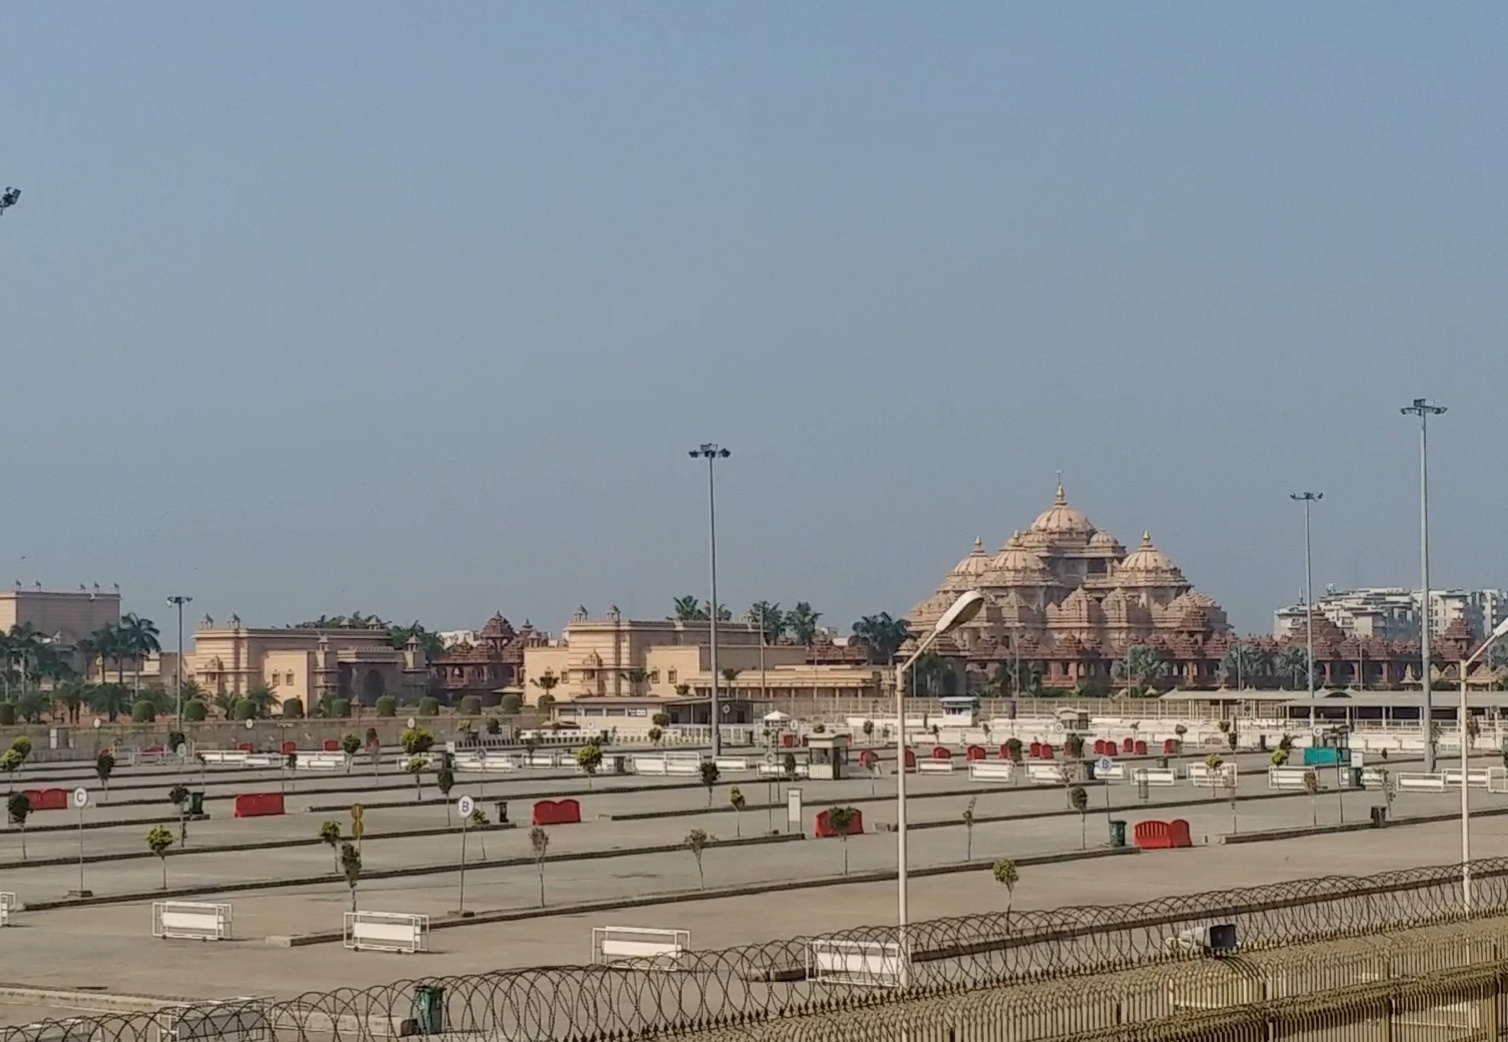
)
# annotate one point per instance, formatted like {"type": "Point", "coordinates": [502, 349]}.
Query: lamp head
{"type": "Point", "coordinates": [959, 612]}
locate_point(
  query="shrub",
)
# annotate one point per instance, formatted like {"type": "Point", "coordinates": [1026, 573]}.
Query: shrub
{"type": "Point", "coordinates": [143, 712]}
{"type": "Point", "coordinates": [471, 705]}
{"type": "Point", "coordinates": [22, 745]}
{"type": "Point", "coordinates": [245, 709]}
{"type": "Point", "coordinates": [660, 719]}
{"type": "Point", "coordinates": [511, 704]}
{"type": "Point", "coordinates": [350, 744]}
{"type": "Point", "coordinates": [387, 705]}
{"type": "Point", "coordinates": [195, 711]}
{"type": "Point", "coordinates": [340, 708]}
{"type": "Point", "coordinates": [429, 706]}
{"type": "Point", "coordinates": [7, 714]}
{"type": "Point", "coordinates": [416, 741]}
{"type": "Point", "coordinates": [293, 708]}
{"type": "Point", "coordinates": [546, 703]}
{"type": "Point", "coordinates": [494, 725]}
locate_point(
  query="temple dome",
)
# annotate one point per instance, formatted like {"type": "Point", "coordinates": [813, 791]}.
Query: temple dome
{"type": "Point", "coordinates": [967, 573]}
{"type": "Point", "coordinates": [1103, 540]}
{"type": "Point", "coordinates": [1015, 565]}
{"type": "Point", "coordinates": [1148, 564]}
{"type": "Point", "coordinates": [1060, 519]}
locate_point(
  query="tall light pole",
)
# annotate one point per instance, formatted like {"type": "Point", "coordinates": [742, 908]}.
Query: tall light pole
{"type": "Point", "coordinates": [179, 600]}
{"type": "Point", "coordinates": [1424, 409]}
{"type": "Point", "coordinates": [959, 612]}
{"type": "Point", "coordinates": [1309, 499]}
{"type": "Point", "coordinates": [1497, 634]}
{"type": "Point", "coordinates": [711, 453]}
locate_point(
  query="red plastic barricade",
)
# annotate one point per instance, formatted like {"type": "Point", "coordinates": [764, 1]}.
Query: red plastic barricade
{"type": "Point", "coordinates": [288, 747]}
{"type": "Point", "coordinates": [46, 799]}
{"type": "Point", "coordinates": [1169, 746]}
{"type": "Point", "coordinates": [244, 747]}
{"type": "Point", "coordinates": [1128, 745]}
{"type": "Point", "coordinates": [855, 827]}
{"type": "Point", "coordinates": [910, 760]}
{"type": "Point", "coordinates": [1162, 835]}
{"type": "Point", "coordinates": [1099, 747]}
{"type": "Point", "coordinates": [868, 758]}
{"type": "Point", "coordinates": [1036, 750]}
{"type": "Point", "coordinates": [331, 746]}
{"type": "Point", "coordinates": [941, 753]}
{"type": "Point", "coordinates": [1005, 753]}
{"type": "Point", "coordinates": [975, 752]}
{"type": "Point", "coordinates": [787, 741]}
{"type": "Point", "coordinates": [1141, 747]}
{"type": "Point", "coordinates": [258, 804]}
{"type": "Point", "coordinates": [1045, 751]}
{"type": "Point", "coordinates": [556, 812]}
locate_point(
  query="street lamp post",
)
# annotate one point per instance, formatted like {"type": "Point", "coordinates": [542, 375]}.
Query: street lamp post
{"type": "Point", "coordinates": [179, 600]}
{"type": "Point", "coordinates": [1424, 409]}
{"type": "Point", "coordinates": [710, 453]}
{"type": "Point", "coordinates": [961, 611]}
{"type": "Point", "coordinates": [1498, 632]}
{"type": "Point", "coordinates": [1309, 499]}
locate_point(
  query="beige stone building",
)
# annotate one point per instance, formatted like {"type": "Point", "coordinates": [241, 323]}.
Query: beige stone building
{"type": "Point", "coordinates": [66, 616]}
{"type": "Point", "coordinates": [307, 664]}
{"type": "Point", "coordinates": [655, 659]}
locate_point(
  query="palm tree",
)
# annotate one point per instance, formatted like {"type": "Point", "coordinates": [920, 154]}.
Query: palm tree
{"type": "Point", "coordinates": [687, 609]}
{"type": "Point", "coordinates": [769, 619]}
{"type": "Point", "coordinates": [106, 643]}
{"type": "Point", "coordinates": [546, 682]}
{"type": "Point", "coordinates": [1291, 664]}
{"type": "Point", "coordinates": [72, 694]}
{"type": "Point", "coordinates": [882, 634]}
{"type": "Point", "coordinates": [1241, 665]}
{"type": "Point", "coordinates": [225, 701]}
{"type": "Point", "coordinates": [262, 697]}
{"type": "Point", "coordinates": [138, 639]}
{"type": "Point", "coordinates": [803, 623]}
{"type": "Point", "coordinates": [1142, 666]}
{"type": "Point", "coordinates": [110, 699]}
{"type": "Point", "coordinates": [636, 678]}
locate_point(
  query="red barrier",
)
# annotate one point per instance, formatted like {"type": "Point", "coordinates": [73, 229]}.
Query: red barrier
{"type": "Point", "coordinates": [1141, 747]}
{"type": "Point", "coordinates": [331, 746]}
{"type": "Point", "coordinates": [1169, 746]}
{"type": "Point", "coordinates": [787, 741]}
{"type": "Point", "coordinates": [1045, 752]}
{"type": "Point", "coordinates": [288, 747]}
{"type": "Point", "coordinates": [46, 799]}
{"type": "Point", "coordinates": [1036, 750]}
{"type": "Point", "coordinates": [868, 758]}
{"type": "Point", "coordinates": [1005, 753]}
{"type": "Point", "coordinates": [244, 747]}
{"type": "Point", "coordinates": [556, 812]}
{"type": "Point", "coordinates": [1162, 835]}
{"type": "Point", "coordinates": [1099, 747]}
{"type": "Point", "coordinates": [855, 826]}
{"type": "Point", "coordinates": [941, 753]}
{"type": "Point", "coordinates": [258, 804]}
{"type": "Point", "coordinates": [1128, 745]}
{"type": "Point", "coordinates": [975, 752]}
{"type": "Point", "coordinates": [910, 760]}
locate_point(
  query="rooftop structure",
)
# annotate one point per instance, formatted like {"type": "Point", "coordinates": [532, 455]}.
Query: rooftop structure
{"type": "Point", "coordinates": [1392, 613]}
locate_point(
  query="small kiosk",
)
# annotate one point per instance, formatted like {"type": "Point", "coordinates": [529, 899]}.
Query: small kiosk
{"type": "Point", "coordinates": [829, 757]}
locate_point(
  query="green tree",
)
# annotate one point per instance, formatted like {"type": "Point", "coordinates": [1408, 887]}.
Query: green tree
{"type": "Point", "coordinates": [1006, 874]}
{"type": "Point", "coordinates": [416, 741]}
{"type": "Point", "coordinates": [696, 842]}
{"type": "Point", "coordinates": [387, 706]}
{"type": "Point", "coordinates": [110, 699]}
{"type": "Point", "coordinates": [589, 759]}
{"type": "Point", "coordinates": [293, 708]}
{"type": "Point", "coordinates": [710, 775]}
{"type": "Point", "coordinates": [263, 698]}
{"type": "Point", "coordinates": [178, 796]}
{"type": "Point", "coordinates": [868, 729]}
{"type": "Point", "coordinates": [636, 678]}
{"type": "Point", "coordinates": [1078, 799]}
{"type": "Point", "coordinates": [687, 609]}
{"type": "Point", "coordinates": [968, 824]}
{"type": "Point", "coordinates": [138, 639]}
{"type": "Point", "coordinates": [840, 820]}
{"type": "Point", "coordinates": [1143, 667]}
{"type": "Point", "coordinates": [104, 766]}
{"type": "Point", "coordinates": [159, 840]}
{"type": "Point", "coordinates": [10, 763]}
{"type": "Point", "coordinates": [1242, 665]}
{"type": "Point", "coordinates": [768, 619]}
{"type": "Point", "coordinates": [195, 711]}
{"type": "Point", "coordinates": [18, 808]}
{"type": "Point", "coordinates": [350, 744]}
{"type": "Point", "coordinates": [882, 635]}
{"type": "Point", "coordinates": [144, 711]}
{"type": "Point", "coordinates": [547, 682]}
{"type": "Point", "coordinates": [415, 766]}
{"type": "Point", "coordinates": [445, 780]}
{"type": "Point", "coordinates": [803, 623]}
{"type": "Point", "coordinates": [429, 706]}
{"type": "Point", "coordinates": [1291, 666]}
{"type": "Point", "coordinates": [539, 842]}
{"type": "Point", "coordinates": [511, 704]}
{"type": "Point", "coordinates": [1311, 786]}
{"type": "Point", "coordinates": [737, 802]}
{"type": "Point", "coordinates": [655, 734]}
{"type": "Point", "coordinates": [350, 867]}
{"type": "Point", "coordinates": [329, 835]}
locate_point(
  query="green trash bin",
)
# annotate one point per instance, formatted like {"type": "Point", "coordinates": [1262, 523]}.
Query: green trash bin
{"type": "Point", "coordinates": [1117, 833]}
{"type": "Point", "coordinates": [429, 1009]}
{"type": "Point", "coordinates": [196, 804]}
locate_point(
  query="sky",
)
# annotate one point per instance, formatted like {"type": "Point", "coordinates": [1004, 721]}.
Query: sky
{"type": "Point", "coordinates": [417, 309]}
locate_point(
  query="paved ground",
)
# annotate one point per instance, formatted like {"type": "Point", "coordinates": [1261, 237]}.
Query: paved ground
{"type": "Point", "coordinates": [105, 945]}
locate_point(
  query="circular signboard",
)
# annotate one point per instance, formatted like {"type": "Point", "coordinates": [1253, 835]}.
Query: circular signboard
{"type": "Point", "coordinates": [81, 797]}
{"type": "Point", "coordinates": [1105, 763]}
{"type": "Point", "coordinates": [466, 805]}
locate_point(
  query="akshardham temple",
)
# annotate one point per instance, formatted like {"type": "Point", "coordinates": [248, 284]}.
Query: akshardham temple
{"type": "Point", "coordinates": [1066, 598]}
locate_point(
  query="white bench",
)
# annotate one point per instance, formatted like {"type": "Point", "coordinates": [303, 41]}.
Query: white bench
{"type": "Point", "coordinates": [1475, 779]}
{"type": "Point", "coordinates": [543, 760]}
{"type": "Point", "coordinates": [224, 755]}
{"type": "Point", "coordinates": [1115, 772]}
{"type": "Point", "coordinates": [8, 904]}
{"type": "Point", "coordinates": [1421, 782]}
{"type": "Point", "coordinates": [219, 1020]}
{"type": "Point", "coordinates": [935, 766]}
{"type": "Point", "coordinates": [868, 963]}
{"type": "Point", "coordinates": [1371, 777]}
{"type": "Point", "coordinates": [688, 768]}
{"type": "Point", "coordinates": [477, 763]}
{"type": "Point", "coordinates": [262, 760]}
{"type": "Point", "coordinates": [320, 762]}
{"type": "Point", "coordinates": [775, 770]}
{"type": "Point", "coordinates": [991, 770]}
{"type": "Point", "coordinates": [1044, 774]}
{"type": "Point", "coordinates": [612, 944]}
{"type": "Point", "coordinates": [386, 932]}
{"type": "Point", "coordinates": [1288, 777]}
{"type": "Point", "coordinates": [732, 765]}
{"type": "Point", "coordinates": [1166, 776]}
{"type": "Point", "coordinates": [1222, 777]}
{"type": "Point", "coordinates": [649, 764]}
{"type": "Point", "coordinates": [191, 920]}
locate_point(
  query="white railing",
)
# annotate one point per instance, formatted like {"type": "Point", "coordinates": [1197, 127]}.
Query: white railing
{"type": "Point", "coordinates": [483, 763]}
{"type": "Point", "coordinates": [1115, 772]}
{"type": "Point", "coordinates": [224, 755]}
{"type": "Point", "coordinates": [1044, 774]}
{"type": "Point", "coordinates": [874, 964]}
{"type": "Point", "coordinates": [8, 904]}
{"type": "Point", "coordinates": [775, 770]}
{"type": "Point", "coordinates": [1223, 777]}
{"type": "Point", "coordinates": [733, 764]}
{"type": "Point", "coordinates": [320, 762]}
{"type": "Point", "coordinates": [1420, 782]}
{"type": "Point", "coordinates": [1475, 779]}
{"type": "Point", "coordinates": [612, 944]}
{"type": "Point", "coordinates": [991, 770]}
{"type": "Point", "coordinates": [935, 766]}
{"type": "Point", "coordinates": [1154, 776]}
{"type": "Point", "coordinates": [386, 932]}
{"type": "Point", "coordinates": [1288, 777]}
{"type": "Point", "coordinates": [191, 920]}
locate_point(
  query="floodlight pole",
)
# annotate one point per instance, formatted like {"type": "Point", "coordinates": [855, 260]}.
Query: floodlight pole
{"type": "Point", "coordinates": [1424, 409]}
{"type": "Point", "coordinates": [710, 453]}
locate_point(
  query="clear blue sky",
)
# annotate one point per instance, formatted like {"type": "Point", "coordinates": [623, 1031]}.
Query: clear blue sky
{"type": "Point", "coordinates": [417, 308]}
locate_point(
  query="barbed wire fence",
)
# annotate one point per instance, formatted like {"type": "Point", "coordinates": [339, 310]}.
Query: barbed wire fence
{"type": "Point", "coordinates": [747, 985]}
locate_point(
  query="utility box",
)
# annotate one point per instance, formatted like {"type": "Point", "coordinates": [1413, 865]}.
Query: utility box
{"type": "Point", "coordinates": [828, 757]}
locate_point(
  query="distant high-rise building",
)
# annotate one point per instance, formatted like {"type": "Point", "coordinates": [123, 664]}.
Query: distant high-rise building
{"type": "Point", "coordinates": [1392, 613]}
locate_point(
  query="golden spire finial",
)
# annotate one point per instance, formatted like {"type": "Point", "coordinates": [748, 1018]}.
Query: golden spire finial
{"type": "Point", "coordinates": [1146, 538]}
{"type": "Point", "coordinates": [978, 544]}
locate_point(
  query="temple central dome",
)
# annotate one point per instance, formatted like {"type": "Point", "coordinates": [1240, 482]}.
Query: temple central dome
{"type": "Point", "coordinates": [1061, 519]}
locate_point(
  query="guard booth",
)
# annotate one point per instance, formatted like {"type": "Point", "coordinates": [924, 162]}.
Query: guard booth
{"type": "Point", "coordinates": [1331, 747]}
{"type": "Point", "coordinates": [829, 757]}
{"type": "Point", "coordinates": [959, 711]}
